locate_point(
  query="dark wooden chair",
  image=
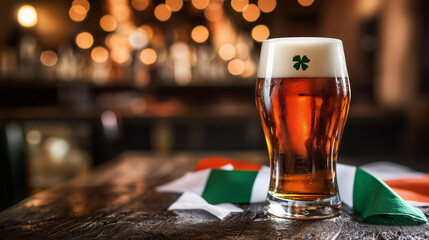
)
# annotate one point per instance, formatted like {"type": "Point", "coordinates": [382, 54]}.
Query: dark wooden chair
{"type": "Point", "coordinates": [13, 177]}
{"type": "Point", "coordinates": [108, 140]}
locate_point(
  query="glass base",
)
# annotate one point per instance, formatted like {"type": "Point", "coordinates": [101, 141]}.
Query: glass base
{"type": "Point", "coordinates": [294, 209]}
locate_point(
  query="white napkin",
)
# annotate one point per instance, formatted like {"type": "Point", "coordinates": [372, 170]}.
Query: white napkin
{"type": "Point", "coordinates": [190, 200]}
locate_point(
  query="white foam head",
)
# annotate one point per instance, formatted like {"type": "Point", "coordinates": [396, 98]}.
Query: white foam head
{"type": "Point", "coordinates": [302, 57]}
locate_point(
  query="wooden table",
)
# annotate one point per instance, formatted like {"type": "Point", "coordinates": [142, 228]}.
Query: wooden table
{"type": "Point", "coordinates": [117, 201]}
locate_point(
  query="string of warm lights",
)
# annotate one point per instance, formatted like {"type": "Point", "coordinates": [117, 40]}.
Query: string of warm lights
{"type": "Point", "coordinates": [123, 36]}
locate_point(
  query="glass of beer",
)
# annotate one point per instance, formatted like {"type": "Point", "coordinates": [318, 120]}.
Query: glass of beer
{"type": "Point", "coordinates": [303, 97]}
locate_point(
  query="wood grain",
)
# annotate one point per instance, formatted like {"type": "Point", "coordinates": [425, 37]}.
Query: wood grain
{"type": "Point", "coordinates": [117, 201]}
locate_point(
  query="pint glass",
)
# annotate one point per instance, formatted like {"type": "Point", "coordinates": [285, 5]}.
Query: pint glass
{"type": "Point", "coordinates": [303, 97]}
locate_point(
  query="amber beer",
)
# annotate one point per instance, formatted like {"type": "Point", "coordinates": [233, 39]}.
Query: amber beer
{"type": "Point", "coordinates": [303, 116]}
{"type": "Point", "coordinates": [302, 126]}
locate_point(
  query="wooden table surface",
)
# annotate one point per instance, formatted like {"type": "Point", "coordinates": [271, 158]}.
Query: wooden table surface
{"type": "Point", "coordinates": [117, 201]}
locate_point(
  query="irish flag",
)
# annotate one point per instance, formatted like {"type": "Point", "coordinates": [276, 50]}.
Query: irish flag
{"type": "Point", "coordinates": [381, 193]}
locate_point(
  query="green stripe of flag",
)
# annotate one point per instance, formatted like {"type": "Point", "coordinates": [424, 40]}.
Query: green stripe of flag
{"type": "Point", "coordinates": [377, 203]}
{"type": "Point", "coordinates": [229, 186]}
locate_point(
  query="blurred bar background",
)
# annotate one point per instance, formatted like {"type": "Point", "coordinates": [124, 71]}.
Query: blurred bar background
{"type": "Point", "coordinates": [82, 81]}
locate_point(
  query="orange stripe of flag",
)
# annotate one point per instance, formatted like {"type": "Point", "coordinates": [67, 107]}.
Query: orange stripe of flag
{"type": "Point", "coordinates": [218, 162]}
{"type": "Point", "coordinates": [411, 189]}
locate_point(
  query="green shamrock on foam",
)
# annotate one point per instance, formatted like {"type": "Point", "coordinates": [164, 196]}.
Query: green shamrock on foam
{"type": "Point", "coordinates": [300, 62]}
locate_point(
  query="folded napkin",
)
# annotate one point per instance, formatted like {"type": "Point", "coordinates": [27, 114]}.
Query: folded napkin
{"type": "Point", "coordinates": [381, 193]}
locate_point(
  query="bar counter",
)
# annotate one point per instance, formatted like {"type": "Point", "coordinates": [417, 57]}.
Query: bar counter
{"type": "Point", "coordinates": [117, 201]}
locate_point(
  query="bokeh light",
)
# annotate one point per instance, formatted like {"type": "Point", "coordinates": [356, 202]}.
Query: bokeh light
{"type": "Point", "coordinates": [267, 6]}
{"type": "Point", "coordinates": [108, 23]}
{"type": "Point", "coordinates": [200, 34]}
{"type": "Point", "coordinates": [148, 56]}
{"type": "Point", "coordinates": [227, 51]}
{"type": "Point", "coordinates": [77, 13]}
{"type": "Point", "coordinates": [48, 58]}
{"type": "Point", "coordinates": [251, 13]}
{"type": "Point", "coordinates": [138, 39]}
{"type": "Point", "coordinates": [121, 12]}
{"type": "Point", "coordinates": [108, 40]}
{"type": "Point", "coordinates": [239, 5]}
{"type": "Point", "coordinates": [117, 40]}
{"type": "Point", "coordinates": [162, 12]}
{"type": "Point", "coordinates": [213, 11]}
{"type": "Point", "coordinates": [84, 40]}
{"type": "Point", "coordinates": [148, 30]}
{"type": "Point", "coordinates": [367, 9]}
{"type": "Point", "coordinates": [249, 69]}
{"type": "Point", "coordinates": [140, 5]}
{"type": "Point", "coordinates": [236, 67]}
{"type": "Point", "coordinates": [174, 5]}
{"type": "Point", "coordinates": [305, 3]}
{"type": "Point", "coordinates": [139, 105]}
{"type": "Point", "coordinates": [120, 55]}
{"type": "Point", "coordinates": [243, 50]}
{"type": "Point", "coordinates": [57, 147]}
{"type": "Point", "coordinates": [99, 54]}
{"type": "Point", "coordinates": [200, 4]}
{"type": "Point", "coordinates": [260, 33]}
{"type": "Point", "coordinates": [83, 3]}
{"type": "Point", "coordinates": [27, 16]}
{"type": "Point", "coordinates": [33, 137]}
